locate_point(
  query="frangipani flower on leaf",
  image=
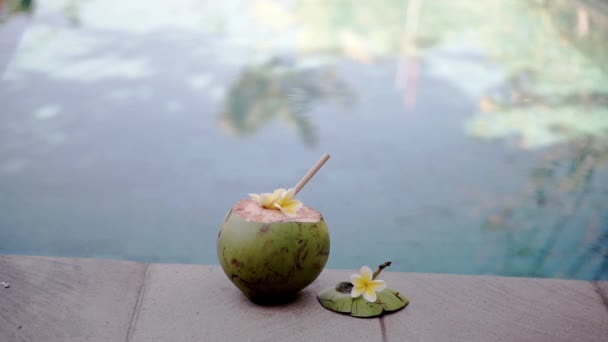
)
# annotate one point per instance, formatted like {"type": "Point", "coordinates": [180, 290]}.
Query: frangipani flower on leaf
{"type": "Point", "coordinates": [280, 199]}
{"type": "Point", "coordinates": [364, 284]}
{"type": "Point", "coordinates": [345, 298]}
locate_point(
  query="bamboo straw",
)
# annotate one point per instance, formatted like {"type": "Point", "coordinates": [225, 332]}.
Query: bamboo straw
{"type": "Point", "coordinates": [310, 173]}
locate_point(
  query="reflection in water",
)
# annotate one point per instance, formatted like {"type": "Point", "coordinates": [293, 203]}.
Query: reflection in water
{"type": "Point", "coordinates": [280, 89]}
{"type": "Point", "coordinates": [557, 225]}
{"type": "Point", "coordinates": [47, 112]}
{"type": "Point", "coordinates": [568, 190]}
{"type": "Point", "coordinates": [552, 94]}
{"type": "Point", "coordinates": [408, 69]}
{"type": "Point", "coordinates": [68, 54]}
{"type": "Point", "coordinates": [9, 8]}
{"type": "Point", "coordinates": [111, 138]}
{"type": "Point", "coordinates": [586, 29]}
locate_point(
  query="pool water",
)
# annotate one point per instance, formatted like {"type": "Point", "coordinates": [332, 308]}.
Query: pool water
{"type": "Point", "coordinates": [466, 137]}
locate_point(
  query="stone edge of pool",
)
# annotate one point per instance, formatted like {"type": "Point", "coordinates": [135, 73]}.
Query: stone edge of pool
{"type": "Point", "coordinates": [71, 299]}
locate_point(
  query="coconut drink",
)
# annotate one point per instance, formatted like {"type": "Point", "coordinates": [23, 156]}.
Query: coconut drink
{"type": "Point", "coordinates": [271, 246]}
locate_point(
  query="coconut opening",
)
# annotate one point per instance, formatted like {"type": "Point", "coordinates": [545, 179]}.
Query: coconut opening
{"type": "Point", "coordinates": [251, 211]}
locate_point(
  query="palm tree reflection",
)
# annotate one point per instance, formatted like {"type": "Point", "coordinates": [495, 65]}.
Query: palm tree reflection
{"type": "Point", "coordinates": [280, 89]}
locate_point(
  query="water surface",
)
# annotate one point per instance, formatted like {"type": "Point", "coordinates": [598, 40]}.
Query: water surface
{"type": "Point", "coordinates": [466, 137]}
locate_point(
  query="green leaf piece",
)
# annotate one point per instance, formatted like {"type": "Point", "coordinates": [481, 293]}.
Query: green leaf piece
{"type": "Point", "coordinates": [388, 301]}
{"type": "Point", "coordinates": [391, 300]}
{"type": "Point", "coordinates": [363, 308]}
{"type": "Point", "coordinates": [336, 301]}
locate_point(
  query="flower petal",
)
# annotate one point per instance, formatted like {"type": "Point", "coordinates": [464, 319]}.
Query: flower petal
{"type": "Point", "coordinates": [370, 295]}
{"type": "Point", "coordinates": [289, 208]}
{"type": "Point", "coordinates": [292, 205]}
{"type": "Point", "coordinates": [355, 279]}
{"type": "Point", "coordinates": [267, 200]}
{"type": "Point", "coordinates": [289, 194]}
{"type": "Point", "coordinates": [287, 211]}
{"type": "Point", "coordinates": [357, 291]}
{"type": "Point", "coordinates": [264, 198]}
{"type": "Point", "coordinates": [279, 194]}
{"type": "Point", "coordinates": [255, 198]}
{"type": "Point", "coordinates": [284, 210]}
{"type": "Point", "coordinates": [377, 285]}
{"type": "Point", "coordinates": [366, 273]}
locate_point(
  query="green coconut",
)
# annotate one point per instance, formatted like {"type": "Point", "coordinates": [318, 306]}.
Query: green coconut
{"type": "Point", "coordinates": [269, 256]}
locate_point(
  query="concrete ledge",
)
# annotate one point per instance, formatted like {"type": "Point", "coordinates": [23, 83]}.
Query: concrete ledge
{"type": "Point", "coordinates": [64, 299]}
{"type": "Point", "coordinates": [199, 303]}
{"type": "Point", "coordinates": [481, 308]}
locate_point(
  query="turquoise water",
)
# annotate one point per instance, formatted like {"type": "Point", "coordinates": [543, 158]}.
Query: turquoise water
{"type": "Point", "coordinates": [466, 137]}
